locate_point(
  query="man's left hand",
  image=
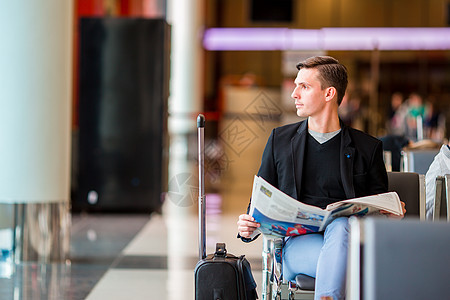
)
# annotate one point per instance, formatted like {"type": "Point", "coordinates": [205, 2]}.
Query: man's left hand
{"type": "Point", "coordinates": [394, 216]}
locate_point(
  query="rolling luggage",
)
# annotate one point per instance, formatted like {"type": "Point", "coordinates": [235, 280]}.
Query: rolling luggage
{"type": "Point", "coordinates": [218, 276]}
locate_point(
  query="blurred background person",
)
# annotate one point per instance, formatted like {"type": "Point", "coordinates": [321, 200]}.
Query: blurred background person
{"type": "Point", "coordinates": [439, 167]}
{"type": "Point", "coordinates": [434, 121]}
{"type": "Point", "coordinates": [396, 114]}
{"type": "Point", "coordinates": [414, 117]}
{"type": "Point", "coordinates": [352, 112]}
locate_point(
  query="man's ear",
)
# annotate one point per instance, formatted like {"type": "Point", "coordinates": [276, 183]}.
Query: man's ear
{"type": "Point", "coordinates": [330, 93]}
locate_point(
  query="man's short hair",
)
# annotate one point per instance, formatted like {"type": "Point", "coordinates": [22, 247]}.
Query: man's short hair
{"type": "Point", "coordinates": [331, 73]}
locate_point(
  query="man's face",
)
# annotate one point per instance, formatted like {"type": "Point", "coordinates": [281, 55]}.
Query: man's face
{"type": "Point", "coordinates": [308, 95]}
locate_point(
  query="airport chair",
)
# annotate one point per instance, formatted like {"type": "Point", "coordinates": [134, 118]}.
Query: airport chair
{"type": "Point", "coordinates": [441, 201]}
{"type": "Point", "coordinates": [273, 285]}
{"type": "Point", "coordinates": [398, 259]}
{"type": "Point", "coordinates": [417, 160]}
{"type": "Point", "coordinates": [411, 189]}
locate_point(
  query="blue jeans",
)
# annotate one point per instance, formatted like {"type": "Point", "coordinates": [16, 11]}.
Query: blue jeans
{"type": "Point", "coordinates": [320, 255]}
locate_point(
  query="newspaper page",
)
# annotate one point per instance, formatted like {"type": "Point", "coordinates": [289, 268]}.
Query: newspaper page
{"type": "Point", "coordinates": [281, 215]}
{"type": "Point", "coordinates": [386, 201]}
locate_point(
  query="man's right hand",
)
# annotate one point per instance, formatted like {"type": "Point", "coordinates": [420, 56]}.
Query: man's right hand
{"type": "Point", "coordinates": [246, 225]}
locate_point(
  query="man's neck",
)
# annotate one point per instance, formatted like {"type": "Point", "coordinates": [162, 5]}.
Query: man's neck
{"type": "Point", "coordinates": [324, 125]}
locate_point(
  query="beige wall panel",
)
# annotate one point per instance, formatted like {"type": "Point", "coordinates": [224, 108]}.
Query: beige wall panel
{"type": "Point", "coordinates": [243, 136]}
{"type": "Point", "coordinates": [234, 13]}
{"type": "Point", "coordinates": [367, 13]}
{"type": "Point", "coordinates": [316, 14]}
{"type": "Point", "coordinates": [408, 13]}
{"type": "Point", "coordinates": [437, 13]}
{"type": "Point", "coordinates": [266, 65]}
{"type": "Point", "coordinates": [345, 13]}
{"type": "Point", "coordinates": [245, 100]}
{"type": "Point", "coordinates": [237, 179]}
{"type": "Point", "coordinates": [240, 62]}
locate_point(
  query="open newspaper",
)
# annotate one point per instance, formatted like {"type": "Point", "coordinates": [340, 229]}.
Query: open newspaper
{"type": "Point", "coordinates": [281, 215]}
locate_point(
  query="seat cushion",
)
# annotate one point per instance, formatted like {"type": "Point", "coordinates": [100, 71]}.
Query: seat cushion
{"type": "Point", "coordinates": [305, 282]}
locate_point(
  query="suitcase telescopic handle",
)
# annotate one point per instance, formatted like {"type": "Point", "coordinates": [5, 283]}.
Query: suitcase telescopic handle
{"type": "Point", "coordinates": [201, 121]}
{"type": "Point", "coordinates": [201, 186]}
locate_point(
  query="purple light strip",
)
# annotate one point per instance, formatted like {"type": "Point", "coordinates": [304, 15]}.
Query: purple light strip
{"type": "Point", "coordinates": [358, 38]}
{"type": "Point", "coordinates": [248, 39]}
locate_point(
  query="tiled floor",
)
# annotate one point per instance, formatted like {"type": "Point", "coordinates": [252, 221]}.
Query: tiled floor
{"type": "Point", "coordinates": [130, 257]}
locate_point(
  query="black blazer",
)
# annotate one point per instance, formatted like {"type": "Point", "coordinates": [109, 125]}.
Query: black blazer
{"type": "Point", "coordinates": [363, 171]}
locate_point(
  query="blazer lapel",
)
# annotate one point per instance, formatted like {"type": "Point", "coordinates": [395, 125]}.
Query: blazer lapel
{"type": "Point", "coordinates": [347, 157]}
{"type": "Point", "coordinates": [298, 143]}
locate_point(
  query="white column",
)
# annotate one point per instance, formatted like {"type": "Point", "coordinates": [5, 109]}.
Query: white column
{"type": "Point", "coordinates": [35, 103]}
{"type": "Point", "coordinates": [185, 102]}
{"type": "Point", "coordinates": [186, 74]}
{"type": "Point", "coordinates": [186, 80]}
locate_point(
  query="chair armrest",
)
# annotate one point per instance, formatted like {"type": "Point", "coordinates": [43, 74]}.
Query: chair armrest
{"type": "Point", "coordinates": [422, 198]}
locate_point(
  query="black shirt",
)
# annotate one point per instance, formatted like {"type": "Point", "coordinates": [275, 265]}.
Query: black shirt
{"type": "Point", "coordinates": [321, 177]}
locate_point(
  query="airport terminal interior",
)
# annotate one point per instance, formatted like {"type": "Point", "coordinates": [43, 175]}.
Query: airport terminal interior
{"type": "Point", "coordinates": [99, 177]}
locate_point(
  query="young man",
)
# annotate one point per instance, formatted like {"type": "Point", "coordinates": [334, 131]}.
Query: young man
{"type": "Point", "coordinates": [320, 161]}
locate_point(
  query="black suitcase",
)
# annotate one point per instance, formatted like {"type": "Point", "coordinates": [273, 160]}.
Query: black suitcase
{"type": "Point", "coordinates": [218, 276]}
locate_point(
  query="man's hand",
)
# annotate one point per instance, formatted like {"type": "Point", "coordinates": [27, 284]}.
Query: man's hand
{"type": "Point", "coordinates": [395, 216]}
{"type": "Point", "coordinates": [246, 225]}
